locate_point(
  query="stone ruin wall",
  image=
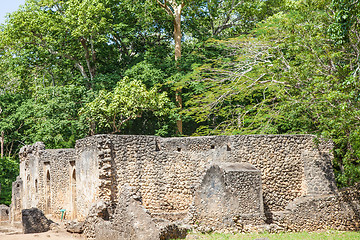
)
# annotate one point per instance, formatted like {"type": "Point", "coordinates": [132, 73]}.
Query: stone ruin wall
{"type": "Point", "coordinates": [45, 180]}
{"type": "Point", "coordinates": [165, 172]}
{"type": "Point", "coordinates": [16, 201]}
{"type": "Point", "coordinates": [315, 213]}
{"type": "Point", "coordinates": [93, 164]}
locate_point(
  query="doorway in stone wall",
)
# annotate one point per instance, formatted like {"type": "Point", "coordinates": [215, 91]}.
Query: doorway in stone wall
{"type": "Point", "coordinates": [73, 194]}
{"type": "Point", "coordinates": [48, 193]}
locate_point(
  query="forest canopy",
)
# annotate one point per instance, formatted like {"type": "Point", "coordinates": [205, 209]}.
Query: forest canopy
{"type": "Point", "coordinates": [74, 68]}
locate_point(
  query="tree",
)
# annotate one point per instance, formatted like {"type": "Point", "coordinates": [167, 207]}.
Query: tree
{"type": "Point", "coordinates": [227, 18]}
{"type": "Point", "coordinates": [111, 111]}
{"type": "Point", "coordinates": [9, 169]}
{"type": "Point", "coordinates": [57, 33]}
{"type": "Point", "coordinates": [52, 116]}
{"type": "Point", "coordinates": [174, 10]}
{"type": "Point", "coordinates": [345, 19]}
{"type": "Point", "coordinates": [290, 78]}
{"type": "Point", "coordinates": [235, 92]}
{"type": "Point", "coordinates": [12, 122]}
{"type": "Point", "coordinates": [53, 43]}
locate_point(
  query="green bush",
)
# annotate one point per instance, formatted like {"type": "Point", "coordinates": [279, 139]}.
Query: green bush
{"type": "Point", "coordinates": [9, 169]}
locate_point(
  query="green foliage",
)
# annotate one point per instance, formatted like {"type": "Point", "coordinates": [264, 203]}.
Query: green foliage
{"type": "Point", "coordinates": [9, 169]}
{"type": "Point", "coordinates": [73, 68]}
{"type": "Point", "coordinates": [234, 92]}
{"type": "Point", "coordinates": [324, 80]}
{"type": "Point", "coordinates": [147, 74]}
{"type": "Point", "coordinates": [55, 43]}
{"type": "Point", "coordinates": [130, 99]}
{"type": "Point", "coordinates": [290, 78]}
{"type": "Point", "coordinates": [52, 116]}
{"type": "Point", "coordinates": [346, 16]}
{"type": "Point", "coordinates": [12, 122]}
{"type": "Point", "coordinates": [227, 18]}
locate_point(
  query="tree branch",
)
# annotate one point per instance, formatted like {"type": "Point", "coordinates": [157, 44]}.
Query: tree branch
{"type": "Point", "coordinates": [166, 7]}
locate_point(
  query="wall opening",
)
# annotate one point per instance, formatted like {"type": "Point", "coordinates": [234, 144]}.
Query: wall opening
{"type": "Point", "coordinates": [73, 194]}
{"type": "Point", "coordinates": [28, 186]}
{"type": "Point", "coordinates": [36, 185]}
{"type": "Point", "coordinates": [157, 147]}
{"type": "Point", "coordinates": [228, 148]}
{"type": "Point", "coordinates": [212, 146]}
{"type": "Point", "coordinates": [48, 193]}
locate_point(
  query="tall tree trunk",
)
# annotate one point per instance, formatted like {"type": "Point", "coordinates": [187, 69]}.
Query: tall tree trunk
{"type": "Point", "coordinates": [175, 12]}
{"type": "Point", "coordinates": [88, 58]}
{"type": "Point", "coordinates": [179, 102]}
{"type": "Point", "coordinates": [177, 32]}
{"type": "Point", "coordinates": [2, 144]}
{"type": "Point", "coordinates": [177, 39]}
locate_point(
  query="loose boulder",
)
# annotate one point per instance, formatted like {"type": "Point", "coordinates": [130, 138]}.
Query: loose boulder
{"type": "Point", "coordinates": [34, 221]}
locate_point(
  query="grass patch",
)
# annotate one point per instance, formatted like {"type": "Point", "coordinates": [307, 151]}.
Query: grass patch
{"type": "Point", "coordinates": [328, 235]}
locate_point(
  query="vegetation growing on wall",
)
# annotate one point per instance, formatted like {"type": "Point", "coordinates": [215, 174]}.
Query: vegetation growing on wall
{"type": "Point", "coordinates": [73, 68]}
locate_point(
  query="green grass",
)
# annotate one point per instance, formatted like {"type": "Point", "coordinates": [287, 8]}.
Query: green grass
{"type": "Point", "coordinates": [328, 235]}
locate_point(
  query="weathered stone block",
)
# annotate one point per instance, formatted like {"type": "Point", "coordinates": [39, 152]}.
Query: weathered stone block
{"type": "Point", "coordinates": [34, 221]}
{"type": "Point", "coordinates": [4, 213]}
{"type": "Point", "coordinates": [318, 172]}
{"type": "Point", "coordinates": [228, 193]}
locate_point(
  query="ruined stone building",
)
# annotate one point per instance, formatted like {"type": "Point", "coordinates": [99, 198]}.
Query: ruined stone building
{"type": "Point", "coordinates": [218, 182]}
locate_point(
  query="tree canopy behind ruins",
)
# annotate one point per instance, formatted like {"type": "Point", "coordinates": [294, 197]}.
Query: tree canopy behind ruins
{"type": "Point", "coordinates": [246, 67]}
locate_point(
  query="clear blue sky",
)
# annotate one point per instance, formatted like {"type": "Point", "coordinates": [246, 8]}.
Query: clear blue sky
{"type": "Point", "coordinates": [8, 6]}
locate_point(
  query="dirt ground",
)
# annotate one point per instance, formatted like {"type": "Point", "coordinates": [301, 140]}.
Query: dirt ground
{"type": "Point", "coordinates": [42, 236]}
{"type": "Point", "coordinates": [8, 232]}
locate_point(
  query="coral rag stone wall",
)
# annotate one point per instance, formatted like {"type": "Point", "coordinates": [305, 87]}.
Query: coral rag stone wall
{"type": "Point", "coordinates": [16, 201]}
{"type": "Point", "coordinates": [87, 166]}
{"type": "Point", "coordinates": [319, 177]}
{"type": "Point", "coordinates": [229, 193]}
{"type": "Point", "coordinates": [166, 173]}
{"type": "Point", "coordinates": [46, 177]}
{"type": "Point", "coordinates": [313, 213]}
